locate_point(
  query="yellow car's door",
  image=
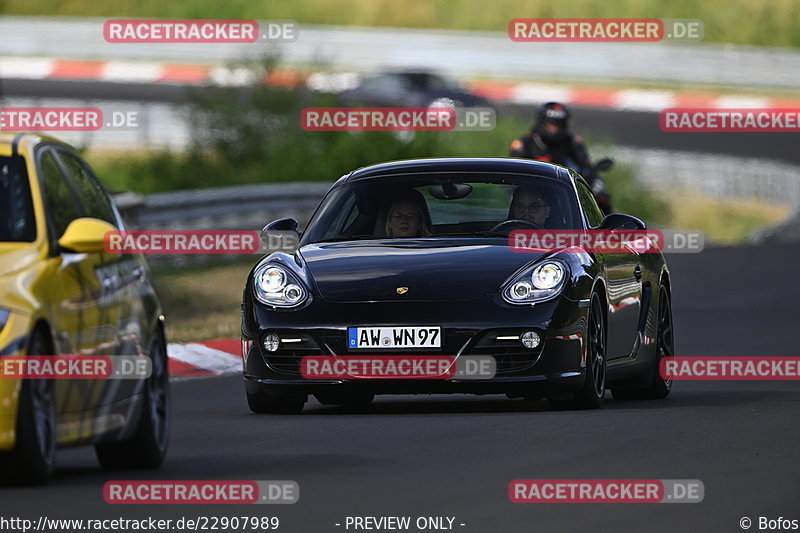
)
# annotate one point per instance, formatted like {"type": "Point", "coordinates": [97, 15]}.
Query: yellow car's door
{"type": "Point", "coordinates": [79, 305]}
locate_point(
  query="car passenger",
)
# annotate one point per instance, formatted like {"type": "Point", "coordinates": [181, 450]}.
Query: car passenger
{"type": "Point", "coordinates": [407, 216]}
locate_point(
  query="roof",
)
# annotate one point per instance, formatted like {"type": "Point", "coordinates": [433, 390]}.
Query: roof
{"type": "Point", "coordinates": [457, 164]}
{"type": "Point", "coordinates": [11, 137]}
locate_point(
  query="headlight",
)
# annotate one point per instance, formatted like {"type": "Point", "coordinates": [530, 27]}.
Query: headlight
{"type": "Point", "coordinates": [276, 285]}
{"type": "Point", "coordinates": [4, 314]}
{"type": "Point", "coordinates": [538, 283]}
{"type": "Point", "coordinates": [548, 275]}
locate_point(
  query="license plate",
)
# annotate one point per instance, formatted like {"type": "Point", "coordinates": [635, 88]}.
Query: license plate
{"type": "Point", "coordinates": [395, 337]}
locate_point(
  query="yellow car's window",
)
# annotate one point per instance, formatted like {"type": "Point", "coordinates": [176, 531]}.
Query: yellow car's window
{"type": "Point", "coordinates": [59, 202]}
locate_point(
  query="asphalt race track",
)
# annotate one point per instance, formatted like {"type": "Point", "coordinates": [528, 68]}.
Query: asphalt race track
{"type": "Point", "coordinates": [455, 455]}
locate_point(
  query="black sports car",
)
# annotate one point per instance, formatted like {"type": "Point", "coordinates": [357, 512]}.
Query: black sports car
{"type": "Point", "coordinates": [411, 89]}
{"type": "Point", "coordinates": [399, 248]}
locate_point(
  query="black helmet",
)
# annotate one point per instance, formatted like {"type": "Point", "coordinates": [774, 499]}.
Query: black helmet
{"type": "Point", "coordinates": [556, 114]}
{"type": "Point", "coordinates": [553, 112]}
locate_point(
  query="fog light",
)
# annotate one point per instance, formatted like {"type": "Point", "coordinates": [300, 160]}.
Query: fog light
{"type": "Point", "coordinates": [530, 339]}
{"type": "Point", "coordinates": [271, 342]}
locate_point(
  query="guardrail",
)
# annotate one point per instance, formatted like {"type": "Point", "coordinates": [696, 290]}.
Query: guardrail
{"type": "Point", "coordinates": [239, 207]}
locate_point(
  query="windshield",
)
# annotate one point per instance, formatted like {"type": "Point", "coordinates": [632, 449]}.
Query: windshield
{"type": "Point", "coordinates": [460, 205]}
{"type": "Point", "coordinates": [16, 209]}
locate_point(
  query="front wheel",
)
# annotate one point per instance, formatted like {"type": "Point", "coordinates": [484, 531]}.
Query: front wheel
{"type": "Point", "coordinates": [31, 460]}
{"type": "Point", "coordinates": [148, 446]}
{"type": "Point", "coordinates": [591, 395]}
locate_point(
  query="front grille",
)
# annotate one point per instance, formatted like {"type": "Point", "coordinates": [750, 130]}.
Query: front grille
{"type": "Point", "coordinates": [287, 357]}
{"type": "Point", "coordinates": [509, 355]}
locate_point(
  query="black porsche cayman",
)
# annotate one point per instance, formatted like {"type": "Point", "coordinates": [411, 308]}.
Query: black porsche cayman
{"type": "Point", "coordinates": [412, 259]}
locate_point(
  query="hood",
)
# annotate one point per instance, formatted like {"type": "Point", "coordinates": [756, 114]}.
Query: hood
{"type": "Point", "coordinates": [432, 272]}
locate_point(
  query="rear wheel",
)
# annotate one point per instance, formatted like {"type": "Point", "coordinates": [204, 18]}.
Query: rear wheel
{"type": "Point", "coordinates": [31, 460]}
{"type": "Point", "coordinates": [590, 396]}
{"type": "Point", "coordinates": [658, 387]}
{"type": "Point", "coordinates": [148, 446]}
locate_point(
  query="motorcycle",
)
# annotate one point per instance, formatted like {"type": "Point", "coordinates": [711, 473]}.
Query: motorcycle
{"type": "Point", "coordinates": [598, 185]}
{"type": "Point", "coordinates": [592, 176]}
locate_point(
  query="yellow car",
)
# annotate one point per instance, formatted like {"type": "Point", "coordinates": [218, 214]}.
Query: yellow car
{"type": "Point", "coordinates": [61, 293]}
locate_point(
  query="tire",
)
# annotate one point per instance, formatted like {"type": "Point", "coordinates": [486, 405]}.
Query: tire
{"type": "Point", "coordinates": [147, 448]}
{"type": "Point", "coordinates": [658, 387]}
{"type": "Point", "coordinates": [263, 404]}
{"type": "Point", "coordinates": [591, 395]}
{"type": "Point", "coordinates": [350, 398]}
{"type": "Point", "coordinates": [31, 460]}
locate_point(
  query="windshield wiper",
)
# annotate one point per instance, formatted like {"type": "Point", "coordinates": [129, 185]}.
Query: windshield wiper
{"type": "Point", "coordinates": [345, 239]}
{"type": "Point", "coordinates": [477, 235]}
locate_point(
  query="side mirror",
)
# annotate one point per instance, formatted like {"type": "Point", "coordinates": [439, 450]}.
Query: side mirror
{"type": "Point", "coordinates": [281, 235]}
{"type": "Point", "coordinates": [622, 222]}
{"type": "Point", "coordinates": [85, 235]}
{"type": "Point", "coordinates": [604, 164]}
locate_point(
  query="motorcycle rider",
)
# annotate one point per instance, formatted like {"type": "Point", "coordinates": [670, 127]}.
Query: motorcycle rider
{"type": "Point", "coordinates": [550, 139]}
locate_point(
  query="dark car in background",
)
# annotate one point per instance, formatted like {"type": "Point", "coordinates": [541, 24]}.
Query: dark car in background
{"type": "Point", "coordinates": [559, 324]}
{"type": "Point", "coordinates": [410, 89]}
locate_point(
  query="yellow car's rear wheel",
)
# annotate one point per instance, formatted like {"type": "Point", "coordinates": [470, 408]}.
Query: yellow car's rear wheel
{"type": "Point", "coordinates": [148, 446]}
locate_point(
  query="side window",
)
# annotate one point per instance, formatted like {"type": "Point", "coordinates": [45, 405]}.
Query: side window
{"type": "Point", "coordinates": [588, 204]}
{"type": "Point", "coordinates": [16, 208]}
{"type": "Point", "coordinates": [385, 82]}
{"type": "Point", "coordinates": [93, 198]}
{"type": "Point", "coordinates": [59, 203]}
{"type": "Point", "coordinates": [344, 219]}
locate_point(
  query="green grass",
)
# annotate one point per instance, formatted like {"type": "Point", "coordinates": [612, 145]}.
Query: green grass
{"type": "Point", "coordinates": [757, 22]}
{"type": "Point", "coordinates": [292, 155]}
{"type": "Point", "coordinates": [726, 221]}
{"type": "Point", "coordinates": [631, 198]}
{"type": "Point", "coordinates": [202, 303]}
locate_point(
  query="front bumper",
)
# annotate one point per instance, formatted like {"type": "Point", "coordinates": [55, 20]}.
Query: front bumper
{"type": "Point", "coordinates": [543, 385]}
{"type": "Point", "coordinates": [556, 365]}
